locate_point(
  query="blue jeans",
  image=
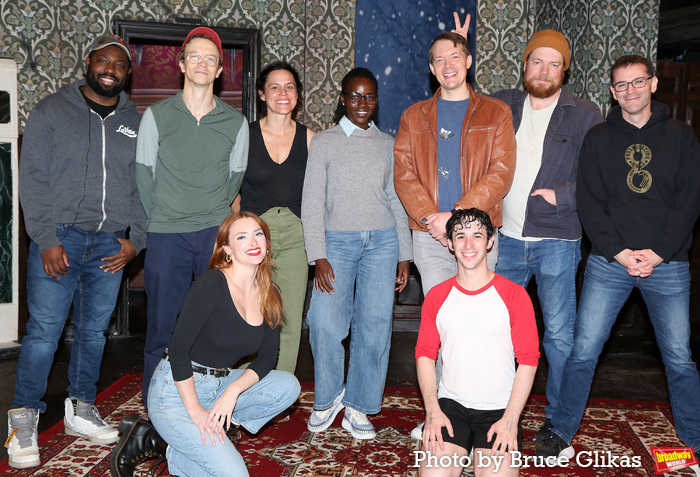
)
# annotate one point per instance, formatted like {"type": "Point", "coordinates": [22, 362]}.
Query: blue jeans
{"type": "Point", "coordinates": [93, 294]}
{"type": "Point", "coordinates": [364, 264]}
{"type": "Point", "coordinates": [666, 293]}
{"type": "Point", "coordinates": [553, 263]}
{"type": "Point", "coordinates": [172, 262]}
{"type": "Point", "coordinates": [255, 406]}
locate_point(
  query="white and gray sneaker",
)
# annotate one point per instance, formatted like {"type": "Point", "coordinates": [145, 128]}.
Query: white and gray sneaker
{"type": "Point", "coordinates": [357, 424]}
{"type": "Point", "coordinates": [22, 438]}
{"type": "Point", "coordinates": [83, 420]}
{"type": "Point", "coordinates": [321, 420]}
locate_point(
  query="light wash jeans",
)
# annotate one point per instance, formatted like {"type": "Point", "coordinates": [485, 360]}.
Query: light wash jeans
{"type": "Point", "coordinates": [364, 264]}
{"type": "Point", "coordinates": [186, 454]}
{"type": "Point", "coordinates": [93, 294]}
{"type": "Point", "coordinates": [553, 263]}
{"type": "Point", "coordinates": [666, 293]}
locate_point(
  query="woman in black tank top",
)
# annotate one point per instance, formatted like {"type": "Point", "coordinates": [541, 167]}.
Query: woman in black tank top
{"type": "Point", "coordinates": [272, 188]}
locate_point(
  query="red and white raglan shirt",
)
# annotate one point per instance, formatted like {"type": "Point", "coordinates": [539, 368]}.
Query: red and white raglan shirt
{"type": "Point", "coordinates": [482, 333]}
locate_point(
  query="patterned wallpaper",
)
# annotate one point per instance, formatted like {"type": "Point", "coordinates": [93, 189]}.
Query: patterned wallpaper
{"type": "Point", "coordinates": [599, 31]}
{"type": "Point", "coordinates": [49, 39]}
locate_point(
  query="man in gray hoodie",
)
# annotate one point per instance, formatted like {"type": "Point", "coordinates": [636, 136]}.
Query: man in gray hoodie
{"type": "Point", "coordinates": [82, 210]}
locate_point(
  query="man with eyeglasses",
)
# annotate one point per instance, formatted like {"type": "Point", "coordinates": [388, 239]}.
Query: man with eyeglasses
{"type": "Point", "coordinates": [192, 153]}
{"type": "Point", "coordinates": [638, 200]}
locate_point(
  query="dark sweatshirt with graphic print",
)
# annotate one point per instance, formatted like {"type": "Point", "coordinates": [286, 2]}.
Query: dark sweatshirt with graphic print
{"type": "Point", "coordinates": [639, 188]}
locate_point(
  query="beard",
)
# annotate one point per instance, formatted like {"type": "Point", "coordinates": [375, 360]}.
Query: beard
{"type": "Point", "coordinates": [92, 80]}
{"type": "Point", "coordinates": [542, 91]}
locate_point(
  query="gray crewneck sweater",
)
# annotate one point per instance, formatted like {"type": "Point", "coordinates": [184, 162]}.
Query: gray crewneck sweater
{"type": "Point", "coordinates": [349, 186]}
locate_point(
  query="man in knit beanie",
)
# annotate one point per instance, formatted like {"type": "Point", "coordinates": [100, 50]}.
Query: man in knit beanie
{"type": "Point", "coordinates": [541, 233]}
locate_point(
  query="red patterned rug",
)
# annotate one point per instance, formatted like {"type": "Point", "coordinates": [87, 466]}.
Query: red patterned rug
{"type": "Point", "coordinates": [614, 432]}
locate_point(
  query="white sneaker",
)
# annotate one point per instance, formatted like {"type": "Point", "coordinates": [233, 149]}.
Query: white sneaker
{"type": "Point", "coordinates": [417, 432]}
{"type": "Point", "coordinates": [22, 438]}
{"type": "Point", "coordinates": [83, 420]}
{"type": "Point", "coordinates": [321, 420]}
{"type": "Point", "coordinates": [358, 425]}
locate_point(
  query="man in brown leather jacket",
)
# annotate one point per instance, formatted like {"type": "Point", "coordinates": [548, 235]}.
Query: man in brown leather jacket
{"type": "Point", "coordinates": [454, 151]}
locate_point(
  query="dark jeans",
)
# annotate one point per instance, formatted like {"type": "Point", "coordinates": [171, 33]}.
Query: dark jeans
{"type": "Point", "coordinates": [172, 262]}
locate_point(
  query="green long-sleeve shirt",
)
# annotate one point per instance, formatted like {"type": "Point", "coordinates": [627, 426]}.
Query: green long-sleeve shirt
{"type": "Point", "coordinates": [188, 172]}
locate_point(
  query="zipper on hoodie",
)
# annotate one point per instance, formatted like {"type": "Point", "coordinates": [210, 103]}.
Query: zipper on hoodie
{"type": "Point", "coordinates": [104, 169]}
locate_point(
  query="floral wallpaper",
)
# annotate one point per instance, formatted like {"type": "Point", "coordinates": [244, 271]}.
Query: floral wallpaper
{"type": "Point", "coordinates": [49, 39]}
{"type": "Point", "coordinates": [599, 31]}
{"type": "Point", "coordinates": [503, 28]}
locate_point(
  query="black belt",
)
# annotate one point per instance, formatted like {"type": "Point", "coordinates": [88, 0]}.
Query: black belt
{"type": "Point", "coordinates": [216, 372]}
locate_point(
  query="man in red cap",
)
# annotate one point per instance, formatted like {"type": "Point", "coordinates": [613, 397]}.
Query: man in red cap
{"type": "Point", "coordinates": [191, 156]}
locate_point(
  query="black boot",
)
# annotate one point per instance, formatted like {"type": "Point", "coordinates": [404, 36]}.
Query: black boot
{"type": "Point", "coordinates": [139, 442]}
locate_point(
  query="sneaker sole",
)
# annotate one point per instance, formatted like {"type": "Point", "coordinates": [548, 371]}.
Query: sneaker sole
{"type": "Point", "coordinates": [94, 440]}
{"type": "Point", "coordinates": [126, 428]}
{"type": "Point", "coordinates": [417, 433]}
{"type": "Point", "coordinates": [357, 434]}
{"type": "Point", "coordinates": [328, 423]}
{"type": "Point", "coordinates": [568, 452]}
{"type": "Point", "coordinates": [35, 462]}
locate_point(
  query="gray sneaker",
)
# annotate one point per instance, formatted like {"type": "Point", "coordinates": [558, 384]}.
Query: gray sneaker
{"type": "Point", "coordinates": [321, 420]}
{"type": "Point", "coordinates": [82, 419]}
{"type": "Point", "coordinates": [357, 424]}
{"type": "Point", "coordinates": [22, 438]}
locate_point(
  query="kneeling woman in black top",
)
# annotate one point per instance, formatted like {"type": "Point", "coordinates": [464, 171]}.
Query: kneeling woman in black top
{"type": "Point", "coordinates": [232, 311]}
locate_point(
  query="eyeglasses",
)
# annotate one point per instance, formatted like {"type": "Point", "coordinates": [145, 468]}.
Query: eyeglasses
{"type": "Point", "coordinates": [370, 98]}
{"type": "Point", "coordinates": [621, 86]}
{"type": "Point", "coordinates": [195, 58]}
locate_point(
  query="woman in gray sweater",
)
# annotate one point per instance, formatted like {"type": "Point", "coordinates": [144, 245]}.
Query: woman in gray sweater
{"type": "Point", "coordinates": [356, 232]}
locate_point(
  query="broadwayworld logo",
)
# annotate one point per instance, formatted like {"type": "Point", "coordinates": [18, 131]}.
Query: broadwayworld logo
{"type": "Point", "coordinates": [667, 459]}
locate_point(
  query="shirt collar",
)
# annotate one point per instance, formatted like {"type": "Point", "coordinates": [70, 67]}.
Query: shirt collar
{"type": "Point", "coordinates": [348, 126]}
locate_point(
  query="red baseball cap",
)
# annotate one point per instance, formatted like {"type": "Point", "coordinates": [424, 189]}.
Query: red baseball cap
{"type": "Point", "coordinates": [209, 33]}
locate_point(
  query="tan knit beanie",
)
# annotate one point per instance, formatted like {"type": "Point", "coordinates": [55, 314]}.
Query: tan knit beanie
{"type": "Point", "coordinates": [552, 39]}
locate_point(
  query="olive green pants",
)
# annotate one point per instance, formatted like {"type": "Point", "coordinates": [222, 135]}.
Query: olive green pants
{"type": "Point", "coordinates": [291, 273]}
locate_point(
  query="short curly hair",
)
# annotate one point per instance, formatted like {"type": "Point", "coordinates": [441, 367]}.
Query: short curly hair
{"type": "Point", "coordinates": [466, 217]}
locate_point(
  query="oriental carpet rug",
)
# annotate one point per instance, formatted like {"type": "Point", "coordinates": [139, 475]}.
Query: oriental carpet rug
{"type": "Point", "coordinates": [614, 440]}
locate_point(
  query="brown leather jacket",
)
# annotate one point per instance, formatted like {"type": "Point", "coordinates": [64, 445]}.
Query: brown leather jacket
{"type": "Point", "coordinates": [488, 158]}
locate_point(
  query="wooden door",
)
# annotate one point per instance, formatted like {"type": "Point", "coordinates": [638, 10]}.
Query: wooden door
{"type": "Point", "coordinates": [679, 89]}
